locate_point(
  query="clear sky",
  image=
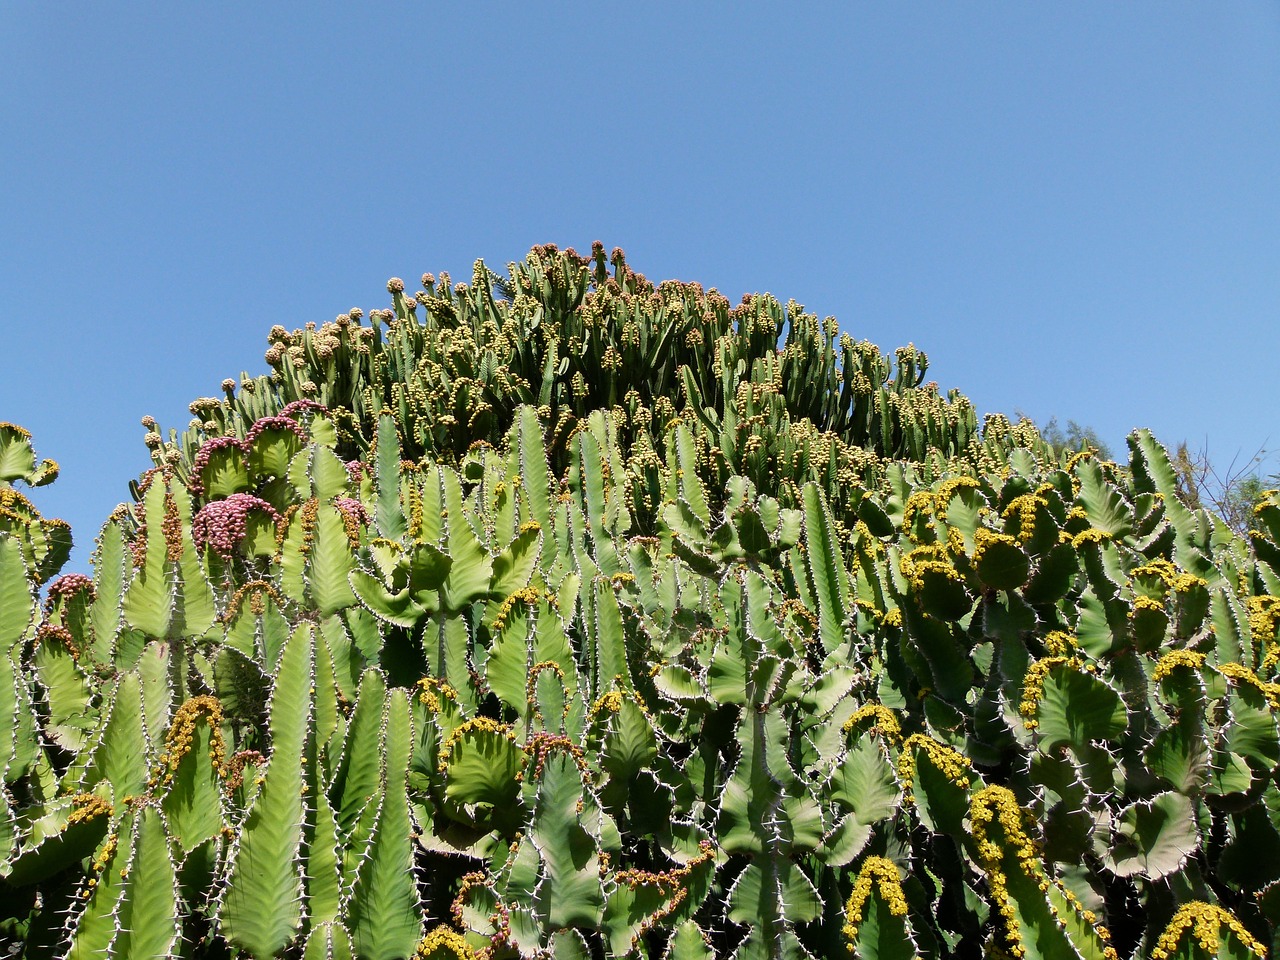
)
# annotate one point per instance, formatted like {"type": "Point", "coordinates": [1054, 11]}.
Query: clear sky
{"type": "Point", "coordinates": [1074, 208]}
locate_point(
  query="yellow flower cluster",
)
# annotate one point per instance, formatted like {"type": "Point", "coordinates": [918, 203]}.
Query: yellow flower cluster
{"type": "Point", "coordinates": [1024, 508]}
{"type": "Point", "coordinates": [1186, 582]}
{"type": "Point", "coordinates": [254, 590]}
{"type": "Point", "coordinates": [949, 488]}
{"type": "Point", "coordinates": [15, 506]}
{"type": "Point", "coordinates": [1033, 686]}
{"type": "Point", "coordinates": [411, 494]}
{"type": "Point", "coordinates": [1205, 921]}
{"type": "Point", "coordinates": [1268, 498]}
{"type": "Point", "coordinates": [952, 764]}
{"type": "Point", "coordinates": [863, 539]}
{"type": "Point", "coordinates": [181, 737]}
{"type": "Point", "coordinates": [479, 724]}
{"type": "Point", "coordinates": [1264, 618]}
{"type": "Point", "coordinates": [920, 501]}
{"type": "Point", "coordinates": [1091, 535]}
{"type": "Point", "coordinates": [526, 595]}
{"type": "Point", "coordinates": [1168, 574]}
{"type": "Point", "coordinates": [441, 942]}
{"type": "Point", "coordinates": [1159, 569]}
{"type": "Point", "coordinates": [1059, 643]}
{"type": "Point", "coordinates": [1174, 659]}
{"type": "Point", "coordinates": [876, 872]}
{"type": "Point", "coordinates": [99, 863]}
{"type": "Point", "coordinates": [885, 723]}
{"type": "Point", "coordinates": [792, 607]}
{"type": "Point", "coordinates": [1238, 673]}
{"type": "Point", "coordinates": [1079, 458]}
{"type": "Point", "coordinates": [983, 539]}
{"type": "Point", "coordinates": [1145, 604]}
{"type": "Point", "coordinates": [308, 514]}
{"type": "Point", "coordinates": [433, 689]}
{"type": "Point", "coordinates": [927, 559]}
{"type": "Point", "coordinates": [612, 701]}
{"type": "Point", "coordinates": [543, 745]}
{"type": "Point", "coordinates": [86, 806]}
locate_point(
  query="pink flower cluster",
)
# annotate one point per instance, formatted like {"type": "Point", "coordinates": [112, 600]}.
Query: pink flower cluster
{"type": "Point", "coordinates": [68, 585]}
{"type": "Point", "coordinates": [222, 523]}
{"type": "Point", "coordinates": [274, 423]}
{"type": "Point", "coordinates": [352, 509]}
{"type": "Point", "coordinates": [355, 470]}
{"type": "Point", "coordinates": [297, 406]}
{"type": "Point", "coordinates": [207, 450]}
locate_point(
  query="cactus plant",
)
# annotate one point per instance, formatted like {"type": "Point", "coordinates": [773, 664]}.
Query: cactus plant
{"type": "Point", "coordinates": [566, 615]}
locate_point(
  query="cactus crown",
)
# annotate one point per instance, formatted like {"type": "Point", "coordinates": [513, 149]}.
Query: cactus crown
{"type": "Point", "coordinates": [566, 614]}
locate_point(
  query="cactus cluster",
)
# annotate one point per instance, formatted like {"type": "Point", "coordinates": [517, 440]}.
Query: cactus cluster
{"type": "Point", "coordinates": [579, 620]}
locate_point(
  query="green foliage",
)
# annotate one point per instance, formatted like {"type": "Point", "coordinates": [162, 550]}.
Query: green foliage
{"type": "Point", "coordinates": [1074, 437]}
{"type": "Point", "coordinates": [559, 630]}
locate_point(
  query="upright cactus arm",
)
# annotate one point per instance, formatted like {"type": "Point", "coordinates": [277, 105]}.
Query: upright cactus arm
{"type": "Point", "coordinates": [147, 917]}
{"type": "Point", "coordinates": [18, 616]}
{"type": "Point", "coordinates": [1065, 704]}
{"type": "Point", "coordinates": [149, 600]}
{"type": "Point", "coordinates": [384, 916]}
{"type": "Point", "coordinates": [514, 566]}
{"type": "Point", "coordinates": [862, 783]}
{"type": "Point", "coordinates": [1103, 505]}
{"type": "Point", "coordinates": [1152, 838]}
{"type": "Point", "coordinates": [17, 598]}
{"type": "Point", "coordinates": [876, 925]}
{"type": "Point", "coordinates": [389, 514]}
{"type": "Point", "coordinates": [471, 571]}
{"type": "Point", "coordinates": [191, 772]}
{"type": "Point", "coordinates": [322, 874]}
{"type": "Point", "coordinates": [530, 455]}
{"type": "Point", "coordinates": [1041, 918]}
{"type": "Point", "coordinates": [193, 595]}
{"type": "Point", "coordinates": [1154, 472]}
{"type": "Point", "coordinates": [330, 559]}
{"type": "Point", "coordinates": [328, 941]}
{"type": "Point", "coordinates": [570, 890]}
{"type": "Point", "coordinates": [118, 754]}
{"type": "Point", "coordinates": [827, 572]}
{"type": "Point", "coordinates": [93, 925]}
{"type": "Point", "coordinates": [641, 900]}
{"type": "Point", "coordinates": [359, 769]}
{"type": "Point", "coordinates": [261, 910]}
{"type": "Point", "coordinates": [483, 768]}
{"type": "Point", "coordinates": [105, 615]}
{"type": "Point", "coordinates": [609, 639]}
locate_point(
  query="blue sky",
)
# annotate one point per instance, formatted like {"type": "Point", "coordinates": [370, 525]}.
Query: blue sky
{"type": "Point", "coordinates": [1073, 208]}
